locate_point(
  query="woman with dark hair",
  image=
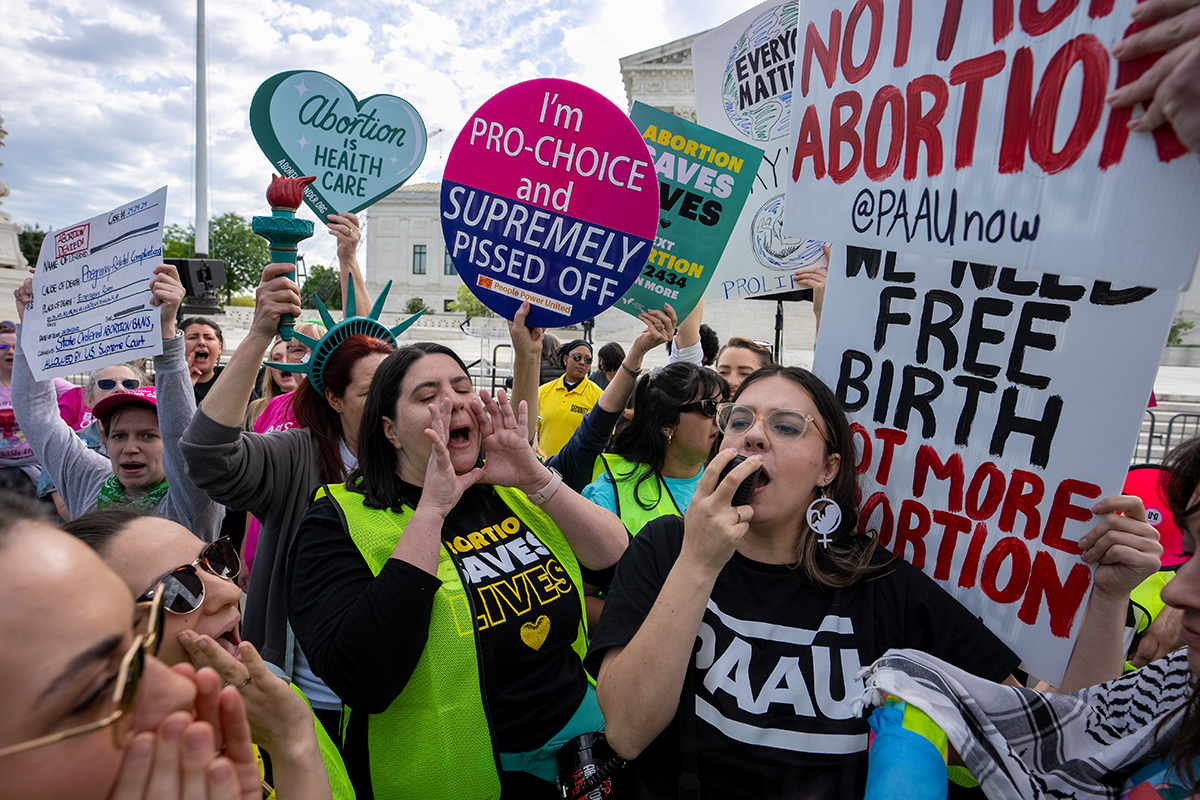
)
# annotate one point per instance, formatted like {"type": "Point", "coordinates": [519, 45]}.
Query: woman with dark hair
{"type": "Point", "coordinates": [563, 402]}
{"type": "Point", "coordinates": [658, 457]}
{"type": "Point", "coordinates": [786, 602]}
{"type": "Point", "coordinates": [610, 357]}
{"type": "Point", "coordinates": [86, 709]}
{"type": "Point", "coordinates": [202, 628]}
{"type": "Point", "coordinates": [440, 594]}
{"type": "Point", "coordinates": [274, 475]}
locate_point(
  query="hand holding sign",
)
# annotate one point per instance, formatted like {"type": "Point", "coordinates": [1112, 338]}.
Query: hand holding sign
{"type": "Point", "coordinates": [1123, 546]}
{"type": "Point", "coordinates": [308, 123]}
{"type": "Point", "coordinates": [167, 293]}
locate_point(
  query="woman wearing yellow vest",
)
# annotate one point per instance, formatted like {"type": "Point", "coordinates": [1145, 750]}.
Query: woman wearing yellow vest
{"type": "Point", "coordinates": [439, 596]}
{"type": "Point", "coordinates": [658, 458]}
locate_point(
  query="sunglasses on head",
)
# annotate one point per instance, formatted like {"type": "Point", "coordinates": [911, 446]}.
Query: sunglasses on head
{"type": "Point", "coordinates": [707, 406]}
{"type": "Point", "coordinates": [125, 686]}
{"type": "Point", "coordinates": [183, 588]}
{"type": "Point", "coordinates": [578, 357]}
{"type": "Point", "coordinates": [108, 384]}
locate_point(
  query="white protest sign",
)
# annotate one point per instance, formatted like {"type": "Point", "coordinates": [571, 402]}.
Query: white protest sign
{"type": "Point", "coordinates": [991, 409]}
{"type": "Point", "coordinates": [91, 292]}
{"type": "Point", "coordinates": [979, 132]}
{"type": "Point", "coordinates": [743, 77]}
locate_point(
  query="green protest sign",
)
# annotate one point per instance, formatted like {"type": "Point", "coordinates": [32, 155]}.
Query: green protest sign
{"type": "Point", "coordinates": [704, 178]}
{"type": "Point", "coordinates": [360, 151]}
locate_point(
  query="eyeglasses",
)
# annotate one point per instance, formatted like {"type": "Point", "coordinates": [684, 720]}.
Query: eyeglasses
{"type": "Point", "coordinates": [708, 406]}
{"type": "Point", "coordinates": [129, 675]}
{"type": "Point", "coordinates": [108, 384]}
{"type": "Point", "coordinates": [5, 345]}
{"type": "Point", "coordinates": [183, 588]}
{"type": "Point", "coordinates": [584, 359]}
{"type": "Point", "coordinates": [781, 425]}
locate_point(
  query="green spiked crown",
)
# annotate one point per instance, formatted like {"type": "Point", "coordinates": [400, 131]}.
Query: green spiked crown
{"type": "Point", "coordinates": [339, 332]}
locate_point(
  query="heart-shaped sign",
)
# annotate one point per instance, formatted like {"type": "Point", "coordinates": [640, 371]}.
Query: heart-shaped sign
{"type": "Point", "coordinates": [360, 151]}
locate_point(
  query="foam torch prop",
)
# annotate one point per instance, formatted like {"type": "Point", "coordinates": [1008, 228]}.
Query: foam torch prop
{"type": "Point", "coordinates": [283, 230]}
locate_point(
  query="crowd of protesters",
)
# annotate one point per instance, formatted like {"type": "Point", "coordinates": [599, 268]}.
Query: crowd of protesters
{"type": "Point", "coordinates": [333, 567]}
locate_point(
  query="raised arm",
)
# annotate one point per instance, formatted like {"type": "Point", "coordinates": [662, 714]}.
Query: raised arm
{"type": "Point", "coordinates": [527, 361]}
{"type": "Point", "coordinates": [77, 471]}
{"type": "Point", "coordinates": [276, 295]}
{"type": "Point", "coordinates": [660, 328]}
{"type": "Point", "coordinates": [688, 333]}
{"type": "Point", "coordinates": [639, 685]}
{"type": "Point", "coordinates": [1125, 549]}
{"type": "Point", "coordinates": [176, 405]}
{"type": "Point", "coordinates": [346, 229]}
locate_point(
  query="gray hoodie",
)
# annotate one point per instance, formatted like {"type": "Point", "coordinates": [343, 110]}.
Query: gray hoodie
{"type": "Point", "coordinates": [79, 472]}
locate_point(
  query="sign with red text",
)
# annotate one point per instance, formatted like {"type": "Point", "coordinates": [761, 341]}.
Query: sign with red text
{"type": "Point", "coordinates": [549, 196]}
{"type": "Point", "coordinates": [991, 408]}
{"type": "Point", "coordinates": [743, 75]}
{"type": "Point", "coordinates": [980, 132]}
{"type": "Point", "coordinates": [91, 292]}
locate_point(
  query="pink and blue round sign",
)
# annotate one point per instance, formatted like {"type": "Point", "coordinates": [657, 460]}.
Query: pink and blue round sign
{"type": "Point", "coordinates": [549, 195]}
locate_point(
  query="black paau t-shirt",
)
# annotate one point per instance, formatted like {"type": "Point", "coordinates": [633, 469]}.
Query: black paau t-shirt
{"type": "Point", "coordinates": [776, 668]}
{"type": "Point", "coordinates": [527, 613]}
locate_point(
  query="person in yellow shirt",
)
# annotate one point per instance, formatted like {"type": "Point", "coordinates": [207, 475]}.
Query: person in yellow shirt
{"type": "Point", "coordinates": [563, 402]}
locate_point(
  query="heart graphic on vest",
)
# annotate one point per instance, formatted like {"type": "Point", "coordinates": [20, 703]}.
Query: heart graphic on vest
{"type": "Point", "coordinates": [360, 151]}
{"type": "Point", "coordinates": [534, 633]}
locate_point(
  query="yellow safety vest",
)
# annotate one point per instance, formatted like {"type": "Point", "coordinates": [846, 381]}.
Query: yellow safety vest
{"type": "Point", "coordinates": [435, 740]}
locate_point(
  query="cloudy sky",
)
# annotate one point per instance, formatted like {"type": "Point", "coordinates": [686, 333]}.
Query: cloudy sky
{"type": "Point", "coordinates": [98, 98]}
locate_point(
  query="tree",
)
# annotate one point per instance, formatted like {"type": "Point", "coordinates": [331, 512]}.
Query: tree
{"type": "Point", "coordinates": [31, 243]}
{"type": "Point", "coordinates": [325, 283]}
{"type": "Point", "coordinates": [230, 239]}
{"type": "Point", "coordinates": [414, 305]}
{"type": "Point", "coordinates": [469, 304]}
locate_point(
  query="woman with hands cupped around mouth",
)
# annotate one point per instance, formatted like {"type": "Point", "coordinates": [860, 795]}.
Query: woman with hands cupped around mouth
{"type": "Point", "coordinates": [438, 591]}
{"type": "Point", "coordinates": [738, 631]}
{"type": "Point", "coordinates": [87, 710]}
{"type": "Point", "coordinates": [202, 627]}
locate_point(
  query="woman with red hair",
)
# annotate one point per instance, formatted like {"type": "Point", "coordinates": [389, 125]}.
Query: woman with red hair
{"type": "Point", "coordinates": [274, 475]}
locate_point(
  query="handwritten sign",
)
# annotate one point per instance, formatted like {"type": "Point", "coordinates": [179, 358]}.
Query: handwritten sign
{"type": "Point", "coordinates": [704, 178]}
{"type": "Point", "coordinates": [549, 196]}
{"type": "Point", "coordinates": [308, 123]}
{"type": "Point", "coordinates": [91, 292]}
{"type": "Point", "coordinates": [743, 76]}
{"type": "Point", "coordinates": [980, 132]}
{"type": "Point", "coordinates": [991, 409]}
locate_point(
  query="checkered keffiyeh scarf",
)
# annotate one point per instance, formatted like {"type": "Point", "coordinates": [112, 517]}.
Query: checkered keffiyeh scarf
{"type": "Point", "coordinates": [1019, 743]}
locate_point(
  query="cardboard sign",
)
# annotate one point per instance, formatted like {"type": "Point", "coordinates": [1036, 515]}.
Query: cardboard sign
{"type": "Point", "coordinates": [991, 409]}
{"type": "Point", "coordinates": [985, 137]}
{"type": "Point", "coordinates": [704, 178]}
{"type": "Point", "coordinates": [743, 76]}
{"type": "Point", "coordinates": [308, 123]}
{"type": "Point", "coordinates": [549, 196]}
{"type": "Point", "coordinates": [91, 292]}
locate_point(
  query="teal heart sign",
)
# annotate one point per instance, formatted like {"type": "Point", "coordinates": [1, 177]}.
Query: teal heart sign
{"type": "Point", "coordinates": [360, 151]}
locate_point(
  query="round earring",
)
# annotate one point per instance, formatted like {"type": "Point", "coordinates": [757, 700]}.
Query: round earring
{"type": "Point", "coordinates": [824, 517]}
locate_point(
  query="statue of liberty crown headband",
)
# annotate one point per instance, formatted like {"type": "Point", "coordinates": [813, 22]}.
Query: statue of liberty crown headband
{"type": "Point", "coordinates": [339, 332]}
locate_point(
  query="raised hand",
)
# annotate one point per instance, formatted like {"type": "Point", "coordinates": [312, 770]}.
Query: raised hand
{"type": "Point", "coordinates": [276, 295]}
{"type": "Point", "coordinates": [1122, 545]}
{"type": "Point", "coordinates": [712, 526]}
{"type": "Point", "coordinates": [510, 459]}
{"type": "Point", "coordinates": [443, 488]}
{"type": "Point", "coordinates": [166, 291]}
{"type": "Point", "coordinates": [525, 340]}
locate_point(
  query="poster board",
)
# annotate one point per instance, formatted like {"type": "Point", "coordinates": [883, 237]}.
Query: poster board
{"type": "Point", "coordinates": [754, 52]}
{"type": "Point", "coordinates": [991, 409]}
{"type": "Point", "coordinates": [704, 178]}
{"type": "Point", "coordinates": [979, 132]}
{"type": "Point", "coordinates": [91, 292]}
{"type": "Point", "coordinates": [360, 151]}
{"type": "Point", "coordinates": [549, 196]}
